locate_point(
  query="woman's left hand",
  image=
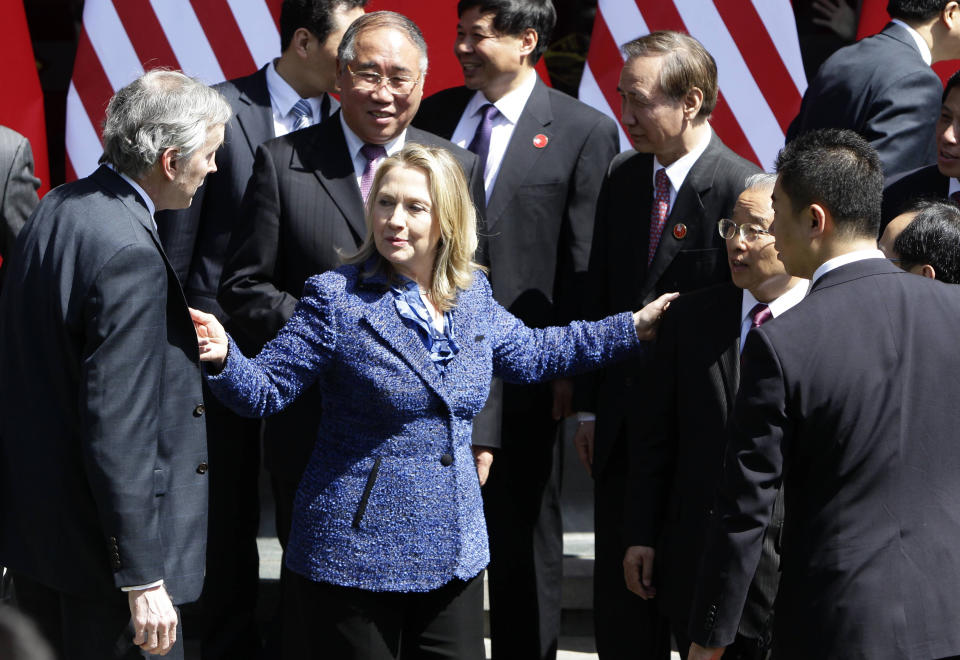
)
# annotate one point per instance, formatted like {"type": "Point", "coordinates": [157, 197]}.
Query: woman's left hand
{"type": "Point", "coordinates": [483, 458]}
{"type": "Point", "coordinates": [211, 338]}
{"type": "Point", "coordinates": [647, 319]}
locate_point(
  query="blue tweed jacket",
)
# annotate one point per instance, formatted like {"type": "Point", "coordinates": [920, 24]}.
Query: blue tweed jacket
{"type": "Point", "coordinates": [390, 500]}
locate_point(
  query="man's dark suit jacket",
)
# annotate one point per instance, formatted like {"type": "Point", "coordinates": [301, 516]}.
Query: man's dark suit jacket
{"type": "Point", "coordinates": [925, 182]}
{"type": "Point", "coordinates": [619, 275]}
{"type": "Point", "coordinates": [676, 468]}
{"type": "Point", "coordinates": [18, 189]}
{"type": "Point", "coordinates": [103, 467]}
{"type": "Point", "coordinates": [302, 205]}
{"type": "Point", "coordinates": [849, 398]}
{"type": "Point", "coordinates": [881, 88]}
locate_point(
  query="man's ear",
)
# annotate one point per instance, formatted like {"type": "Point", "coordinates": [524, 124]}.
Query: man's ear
{"type": "Point", "coordinates": [170, 162]}
{"type": "Point", "coordinates": [928, 271]}
{"type": "Point", "coordinates": [691, 103]}
{"type": "Point", "coordinates": [301, 41]}
{"type": "Point", "coordinates": [820, 220]}
{"type": "Point", "coordinates": [528, 41]}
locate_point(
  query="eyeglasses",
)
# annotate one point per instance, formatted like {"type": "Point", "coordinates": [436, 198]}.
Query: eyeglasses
{"type": "Point", "coordinates": [748, 232]}
{"type": "Point", "coordinates": [371, 81]}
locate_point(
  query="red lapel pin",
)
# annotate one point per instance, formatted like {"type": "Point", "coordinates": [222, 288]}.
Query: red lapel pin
{"type": "Point", "coordinates": [540, 140]}
{"type": "Point", "coordinates": [679, 231]}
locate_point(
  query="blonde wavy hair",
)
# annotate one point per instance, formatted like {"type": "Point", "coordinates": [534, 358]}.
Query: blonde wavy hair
{"type": "Point", "coordinates": [452, 208]}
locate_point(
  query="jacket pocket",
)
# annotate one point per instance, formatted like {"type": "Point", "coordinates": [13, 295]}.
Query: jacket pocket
{"type": "Point", "coordinates": [367, 489]}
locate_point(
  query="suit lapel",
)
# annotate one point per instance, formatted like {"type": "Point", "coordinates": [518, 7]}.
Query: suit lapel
{"type": "Point", "coordinates": [521, 156]}
{"type": "Point", "coordinates": [326, 155]}
{"type": "Point", "coordinates": [255, 115]}
{"type": "Point", "coordinates": [381, 315]}
{"type": "Point", "coordinates": [687, 209]}
{"type": "Point", "coordinates": [727, 340]}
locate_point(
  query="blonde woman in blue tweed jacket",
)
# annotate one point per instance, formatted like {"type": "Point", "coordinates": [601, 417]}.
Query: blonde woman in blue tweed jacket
{"type": "Point", "coordinates": [388, 541]}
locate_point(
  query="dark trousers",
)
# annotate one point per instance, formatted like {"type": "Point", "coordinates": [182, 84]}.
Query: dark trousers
{"type": "Point", "coordinates": [226, 611]}
{"type": "Point", "coordinates": [84, 628]}
{"type": "Point", "coordinates": [626, 626]}
{"type": "Point", "coordinates": [524, 522]}
{"type": "Point", "coordinates": [742, 648]}
{"type": "Point", "coordinates": [327, 621]}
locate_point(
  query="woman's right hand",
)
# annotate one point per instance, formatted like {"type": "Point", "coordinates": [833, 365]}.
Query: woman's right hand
{"type": "Point", "coordinates": [647, 319]}
{"type": "Point", "coordinates": [211, 338]}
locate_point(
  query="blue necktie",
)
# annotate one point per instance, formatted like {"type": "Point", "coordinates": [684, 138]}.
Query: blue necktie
{"type": "Point", "coordinates": [302, 113]}
{"type": "Point", "coordinates": [481, 139]}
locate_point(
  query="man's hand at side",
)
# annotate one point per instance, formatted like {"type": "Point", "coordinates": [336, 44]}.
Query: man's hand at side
{"type": "Point", "coordinates": [638, 570]}
{"type": "Point", "coordinates": [154, 619]}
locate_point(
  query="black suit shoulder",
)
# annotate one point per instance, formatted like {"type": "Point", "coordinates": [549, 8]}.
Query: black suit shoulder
{"type": "Point", "coordinates": [923, 182]}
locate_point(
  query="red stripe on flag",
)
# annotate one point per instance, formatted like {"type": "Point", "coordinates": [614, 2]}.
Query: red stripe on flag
{"type": "Point", "coordinates": [225, 37]}
{"type": "Point", "coordinates": [605, 63]}
{"type": "Point", "coordinates": [762, 58]}
{"type": "Point", "coordinates": [91, 82]}
{"type": "Point", "coordinates": [146, 34]}
{"type": "Point", "coordinates": [274, 6]}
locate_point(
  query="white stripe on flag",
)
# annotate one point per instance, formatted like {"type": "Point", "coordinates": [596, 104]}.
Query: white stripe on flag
{"type": "Point", "coordinates": [83, 145]}
{"type": "Point", "coordinates": [623, 19]}
{"type": "Point", "coordinates": [187, 40]}
{"type": "Point", "coordinates": [111, 43]}
{"type": "Point", "coordinates": [777, 17]}
{"type": "Point", "coordinates": [591, 95]}
{"type": "Point", "coordinates": [258, 29]}
{"type": "Point", "coordinates": [739, 88]}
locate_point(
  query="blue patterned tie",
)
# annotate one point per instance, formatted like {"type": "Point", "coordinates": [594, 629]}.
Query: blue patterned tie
{"type": "Point", "coordinates": [302, 113]}
{"type": "Point", "coordinates": [481, 139]}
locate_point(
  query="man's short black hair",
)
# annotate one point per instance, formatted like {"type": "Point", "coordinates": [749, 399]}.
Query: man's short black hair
{"type": "Point", "coordinates": [952, 82]}
{"type": "Point", "coordinates": [512, 17]}
{"type": "Point", "coordinates": [917, 10]}
{"type": "Point", "coordinates": [933, 237]}
{"type": "Point", "coordinates": [314, 15]}
{"type": "Point", "coordinates": [839, 170]}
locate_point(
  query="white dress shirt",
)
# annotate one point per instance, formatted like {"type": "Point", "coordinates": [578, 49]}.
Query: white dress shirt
{"type": "Point", "coordinates": [510, 107]}
{"type": "Point", "coordinates": [355, 144]}
{"type": "Point", "coordinates": [282, 99]}
{"type": "Point", "coordinates": [843, 260]}
{"type": "Point", "coordinates": [787, 299]}
{"type": "Point", "coordinates": [678, 170]}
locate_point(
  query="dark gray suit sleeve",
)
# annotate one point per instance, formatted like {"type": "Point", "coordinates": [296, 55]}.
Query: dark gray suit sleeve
{"type": "Point", "coordinates": [121, 373]}
{"type": "Point", "coordinates": [19, 192]}
{"type": "Point", "coordinates": [901, 122]}
{"type": "Point", "coordinates": [248, 290]}
{"type": "Point", "coordinates": [752, 474]}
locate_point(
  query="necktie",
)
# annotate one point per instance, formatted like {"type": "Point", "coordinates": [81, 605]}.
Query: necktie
{"type": "Point", "coordinates": [658, 212]}
{"type": "Point", "coordinates": [759, 315]}
{"type": "Point", "coordinates": [480, 144]}
{"type": "Point", "coordinates": [955, 196]}
{"type": "Point", "coordinates": [302, 114]}
{"type": "Point", "coordinates": [374, 153]}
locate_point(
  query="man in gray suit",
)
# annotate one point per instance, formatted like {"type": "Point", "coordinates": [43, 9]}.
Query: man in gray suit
{"type": "Point", "coordinates": [291, 92]}
{"type": "Point", "coordinates": [883, 87]}
{"type": "Point", "coordinates": [18, 189]}
{"type": "Point", "coordinates": [103, 466]}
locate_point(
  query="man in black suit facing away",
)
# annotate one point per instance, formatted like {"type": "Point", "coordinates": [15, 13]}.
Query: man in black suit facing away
{"type": "Point", "coordinates": [849, 401]}
{"type": "Point", "coordinates": [942, 178]}
{"type": "Point", "coordinates": [883, 88]}
{"type": "Point", "coordinates": [103, 462]}
{"type": "Point", "coordinates": [675, 469]}
{"type": "Point", "coordinates": [291, 92]}
{"type": "Point", "coordinates": [544, 156]}
{"type": "Point", "coordinates": [304, 206]}
{"type": "Point", "coordinates": [655, 232]}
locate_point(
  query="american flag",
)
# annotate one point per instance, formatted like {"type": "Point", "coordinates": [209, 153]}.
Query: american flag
{"type": "Point", "coordinates": [758, 60]}
{"type": "Point", "coordinates": [213, 40]}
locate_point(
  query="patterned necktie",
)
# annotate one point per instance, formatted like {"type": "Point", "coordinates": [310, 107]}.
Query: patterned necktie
{"type": "Point", "coordinates": [481, 139]}
{"type": "Point", "coordinates": [658, 212]}
{"type": "Point", "coordinates": [374, 153]}
{"type": "Point", "coordinates": [955, 196]}
{"type": "Point", "coordinates": [302, 114]}
{"type": "Point", "coordinates": [759, 315]}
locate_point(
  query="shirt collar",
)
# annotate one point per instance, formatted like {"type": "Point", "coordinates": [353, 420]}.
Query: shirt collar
{"type": "Point", "coordinates": [283, 96]}
{"type": "Point", "coordinates": [678, 170]}
{"type": "Point", "coordinates": [954, 186]}
{"type": "Point", "coordinates": [921, 44]}
{"type": "Point", "coordinates": [355, 144]}
{"type": "Point", "coordinates": [510, 104]}
{"type": "Point", "coordinates": [843, 260]}
{"type": "Point", "coordinates": [778, 306]}
{"type": "Point", "coordinates": [139, 190]}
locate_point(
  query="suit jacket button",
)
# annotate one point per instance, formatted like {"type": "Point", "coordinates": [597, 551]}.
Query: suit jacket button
{"type": "Point", "coordinates": [202, 468]}
{"type": "Point", "coordinates": [199, 410]}
{"type": "Point", "coordinates": [446, 460]}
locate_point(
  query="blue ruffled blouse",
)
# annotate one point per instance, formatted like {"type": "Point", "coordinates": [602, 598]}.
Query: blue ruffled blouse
{"type": "Point", "coordinates": [442, 345]}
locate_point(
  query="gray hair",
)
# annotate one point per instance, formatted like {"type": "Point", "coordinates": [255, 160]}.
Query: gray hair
{"type": "Point", "coordinates": [382, 19]}
{"type": "Point", "coordinates": [762, 181]}
{"type": "Point", "coordinates": [159, 110]}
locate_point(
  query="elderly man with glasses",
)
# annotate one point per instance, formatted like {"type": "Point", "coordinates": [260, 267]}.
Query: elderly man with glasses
{"type": "Point", "coordinates": [678, 464]}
